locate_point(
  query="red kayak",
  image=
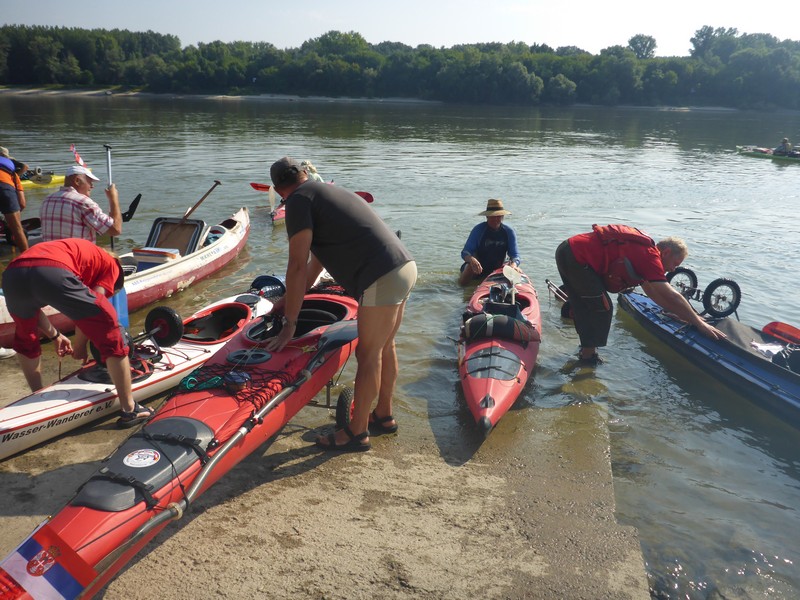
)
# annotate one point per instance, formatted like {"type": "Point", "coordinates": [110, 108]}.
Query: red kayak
{"type": "Point", "coordinates": [221, 413]}
{"type": "Point", "coordinates": [499, 344]}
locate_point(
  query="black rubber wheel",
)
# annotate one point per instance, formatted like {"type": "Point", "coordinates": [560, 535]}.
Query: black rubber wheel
{"type": "Point", "coordinates": [344, 408]}
{"type": "Point", "coordinates": [722, 297]}
{"type": "Point", "coordinates": [164, 325]}
{"type": "Point", "coordinates": [315, 315]}
{"type": "Point", "coordinates": [684, 280]}
{"type": "Point", "coordinates": [126, 337]}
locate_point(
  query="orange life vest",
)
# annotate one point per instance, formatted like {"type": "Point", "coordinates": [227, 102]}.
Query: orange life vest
{"type": "Point", "coordinates": [619, 274]}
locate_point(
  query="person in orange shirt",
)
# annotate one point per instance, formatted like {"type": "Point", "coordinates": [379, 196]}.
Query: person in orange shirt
{"type": "Point", "coordinates": [12, 198]}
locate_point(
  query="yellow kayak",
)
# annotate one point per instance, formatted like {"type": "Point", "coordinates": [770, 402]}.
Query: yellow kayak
{"type": "Point", "coordinates": [43, 180]}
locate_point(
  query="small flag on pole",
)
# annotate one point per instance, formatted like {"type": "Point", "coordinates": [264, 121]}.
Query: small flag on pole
{"type": "Point", "coordinates": [78, 158]}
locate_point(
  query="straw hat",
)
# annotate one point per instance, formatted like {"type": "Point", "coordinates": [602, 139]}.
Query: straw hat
{"type": "Point", "coordinates": [494, 208]}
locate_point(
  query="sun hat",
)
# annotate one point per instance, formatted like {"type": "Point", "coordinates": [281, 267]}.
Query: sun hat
{"type": "Point", "coordinates": [79, 170]}
{"type": "Point", "coordinates": [283, 170]}
{"type": "Point", "coordinates": [494, 208]}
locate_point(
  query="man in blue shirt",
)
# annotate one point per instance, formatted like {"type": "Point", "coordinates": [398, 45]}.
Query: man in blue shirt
{"type": "Point", "coordinates": [488, 245]}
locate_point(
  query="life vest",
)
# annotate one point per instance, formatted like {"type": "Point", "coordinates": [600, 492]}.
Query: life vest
{"type": "Point", "coordinates": [619, 274]}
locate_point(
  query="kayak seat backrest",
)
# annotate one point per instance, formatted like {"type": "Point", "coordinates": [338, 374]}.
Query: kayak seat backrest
{"type": "Point", "coordinates": [314, 313]}
{"type": "Point", "coordinates": [217, 325]}
{"type": "Point", "coordinates": [143, 463]}
{"type": "Point", "coordinates": [499, 326]}
{"type": "Point", "coordinates": [502, 308]}
{"type": "Point", "coordinates": [170, 232]}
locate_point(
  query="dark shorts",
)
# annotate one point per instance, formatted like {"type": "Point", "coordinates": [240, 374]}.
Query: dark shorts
{"type": "Point", "coordinates": [9, 203]}
{"type": "Point", "coordinates": [591, 305]}
{"type": "Point", "coordinates": [28, 289]}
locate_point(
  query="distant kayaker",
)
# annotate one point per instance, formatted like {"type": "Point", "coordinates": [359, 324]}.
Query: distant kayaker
{"type": "Point", "coordinates": [75, 277]}
{"type": "Point", "coordinates": [12, 198]}
{"type": "Point", "coordinates": [612, 259]}
{"type": "Point", "coordinates": [332, 228]}
{"type": "Point", "coordinates": [783, 148]}
{"type": "Point", "coordinates": [489, 245]}
{"type": "Point", "coordinates": [71, 213]}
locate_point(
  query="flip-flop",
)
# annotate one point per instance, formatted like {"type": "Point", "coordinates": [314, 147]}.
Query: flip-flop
{"type": "Point", "coordinates": [132, 418]}
{"type": "Point", "coordinates": [376, 424]}
{"type": "Point", "coordinates": [354, 444]}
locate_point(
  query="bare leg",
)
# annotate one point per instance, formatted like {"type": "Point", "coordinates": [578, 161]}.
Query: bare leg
{"type": "Point", "coordinates": [376, 328]}
{"type": "Point", "coordinates": [389, 371]}
{"type": "Point", "coordinates": [32, 369]}
{"type": "Point", "coordinates": [16, 230]}
{"type": "Point", "coordinates": [119, 369]}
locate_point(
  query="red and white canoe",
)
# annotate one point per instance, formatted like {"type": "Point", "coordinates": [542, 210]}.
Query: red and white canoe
{"type": "Point", "coordinates": [177, 254]}
{"type": "Point", "coordinates": [223, 412]}
{"type": "Point", "coordinates": [157, 364]}
{"type": "Point", "coordinates": [499, 344]}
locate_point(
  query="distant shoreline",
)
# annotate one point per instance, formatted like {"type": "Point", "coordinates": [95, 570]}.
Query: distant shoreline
{"type": "Point", "coordinates": [106, 92]}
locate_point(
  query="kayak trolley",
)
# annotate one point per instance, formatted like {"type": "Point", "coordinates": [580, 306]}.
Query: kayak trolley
{"type": "Point", "coordinates": [720, 298]}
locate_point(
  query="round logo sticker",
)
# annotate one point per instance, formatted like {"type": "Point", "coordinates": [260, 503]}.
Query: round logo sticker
{"type": "Point", "coordinates": [142, 458]}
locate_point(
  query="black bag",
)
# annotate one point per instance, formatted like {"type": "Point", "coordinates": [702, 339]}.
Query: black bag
{"type": "Point", "coordinates": [788, 358]}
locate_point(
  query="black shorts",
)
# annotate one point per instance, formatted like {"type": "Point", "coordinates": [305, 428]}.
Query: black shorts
{"type": "Point", "coordinates": [9, 203]}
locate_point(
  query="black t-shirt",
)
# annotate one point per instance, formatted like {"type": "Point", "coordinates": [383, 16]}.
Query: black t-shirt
{"type": "Point", "coordinates": [349, 238]}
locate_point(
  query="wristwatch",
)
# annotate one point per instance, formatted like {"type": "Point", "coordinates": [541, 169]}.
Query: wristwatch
{"type": "Point", "coordinates": [285, 322]}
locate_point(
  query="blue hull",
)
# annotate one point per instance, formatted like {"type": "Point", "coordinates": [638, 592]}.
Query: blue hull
{"type": "Point", "coordinates": [732, 360]}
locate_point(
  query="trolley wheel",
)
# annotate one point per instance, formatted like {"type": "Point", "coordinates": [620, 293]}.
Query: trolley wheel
{"type": "Point", "coordinates": [684, 280]}
{"type": "Point", "coordinates": [164, 325]}
{"type": "Point", "coordinates": [344, 408]}
{"type": "Point", "coordinates": [722, 297]}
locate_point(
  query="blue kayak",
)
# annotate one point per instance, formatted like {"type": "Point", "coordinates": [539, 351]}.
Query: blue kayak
{"type": "Point", "coordinates": [738, 361]}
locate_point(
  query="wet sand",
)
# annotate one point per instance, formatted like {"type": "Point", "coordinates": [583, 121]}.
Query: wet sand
{"type": "Point", "coordinates": [405, 520]}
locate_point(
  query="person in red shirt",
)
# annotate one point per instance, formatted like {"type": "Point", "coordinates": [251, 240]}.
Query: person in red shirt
{"type": "Point", "coordinates": [75, 277]}
{"type": "Point", "coordinates": [612, 259]}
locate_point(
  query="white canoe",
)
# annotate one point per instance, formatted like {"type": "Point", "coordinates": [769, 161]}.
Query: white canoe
{"type": "Point", "coordinates": [177, 254]}
{"type": "Point", "coordinates": [88, 394]}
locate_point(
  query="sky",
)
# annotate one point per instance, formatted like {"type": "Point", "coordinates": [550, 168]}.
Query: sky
{"type": "Point", "coordinates": [587, 24]}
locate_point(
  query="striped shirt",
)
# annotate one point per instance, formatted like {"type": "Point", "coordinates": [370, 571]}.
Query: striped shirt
{"type": "Point", "coordinates": [69, 214]}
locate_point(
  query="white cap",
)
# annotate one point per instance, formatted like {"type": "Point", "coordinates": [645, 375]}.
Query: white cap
{"type": "Point", "coordinates": [79, 170]}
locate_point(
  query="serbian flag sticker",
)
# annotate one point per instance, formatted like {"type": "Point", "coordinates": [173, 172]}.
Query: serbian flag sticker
{"type": "Point", "coordinates": [45, 567]}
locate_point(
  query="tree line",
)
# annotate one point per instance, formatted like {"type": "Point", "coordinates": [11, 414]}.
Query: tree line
{"type": "Point", "coordinates": [724, 68]}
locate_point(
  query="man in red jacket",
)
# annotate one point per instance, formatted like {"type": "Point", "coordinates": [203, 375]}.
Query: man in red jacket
{"type": "Point", "coordinates": [75, 277]}
{"type": "Point", "coordinates": [612, 259]}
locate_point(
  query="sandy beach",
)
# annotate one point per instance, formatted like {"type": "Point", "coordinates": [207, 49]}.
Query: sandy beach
{"type": "Point", "coordinates": [405, 520]}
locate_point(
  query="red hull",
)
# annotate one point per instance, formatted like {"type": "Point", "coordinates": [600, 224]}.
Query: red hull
{"type": "Point", "coordinates": [151, 285]}
{"type": "Point", "coordinates": [498, 348]}
{"type": "Point", "coordinates": [99, 525]}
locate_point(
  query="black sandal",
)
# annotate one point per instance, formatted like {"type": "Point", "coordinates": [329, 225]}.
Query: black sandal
{"type": "Point", "coordinates": [376, 424]}
{"type": "Point", "coordinates": [354, 444]}
{"type": "Point", "coordinates": [134, 417]}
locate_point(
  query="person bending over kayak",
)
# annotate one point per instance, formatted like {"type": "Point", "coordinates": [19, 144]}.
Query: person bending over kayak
{"type": "Point", "coordinates": [334, 228]}
{"type": "Point", "coordinates": [488, 245]}
{"type": "Point", "coordinates": [74, 277]}
{"type": "Point", "coordinates": [612, 259]}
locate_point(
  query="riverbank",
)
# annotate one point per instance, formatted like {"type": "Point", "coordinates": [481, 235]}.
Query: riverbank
{"type": "Point", "coordinates": [112, 92]}
{"type": "Point", "coordinates": [404, 520]}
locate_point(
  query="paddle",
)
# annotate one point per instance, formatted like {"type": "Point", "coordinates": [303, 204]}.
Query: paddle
{"type": "Point", "coordinates": [263, 187]}
{"type": "Point", "coordinates": [514, 277]}
{"type": "Point", "coordinates": [128, 214]}
{"type": "Point", "coordinates": [783, 331]}
{"type": "Point", "coordinates": [199, 202]}
{"type": "Point", "coordinates": [110, 182]}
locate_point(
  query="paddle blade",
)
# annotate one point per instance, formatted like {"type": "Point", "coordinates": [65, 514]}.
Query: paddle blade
{"type": "Point", "coordinates": [366, 196]}
{"type": "Point", "coordinates": [783, 331]}
{"type": "Point", "coordinates": [260, 187]}
{"type": "Point", "coordinates": [513, 276]}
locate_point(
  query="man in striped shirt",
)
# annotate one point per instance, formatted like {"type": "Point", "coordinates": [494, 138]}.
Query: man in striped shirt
{"type": "Point", "coordinates": [71, 213]}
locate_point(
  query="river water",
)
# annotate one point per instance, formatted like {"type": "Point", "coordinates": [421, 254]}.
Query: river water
{"type": "Point", "coordinates": [709, 479]}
